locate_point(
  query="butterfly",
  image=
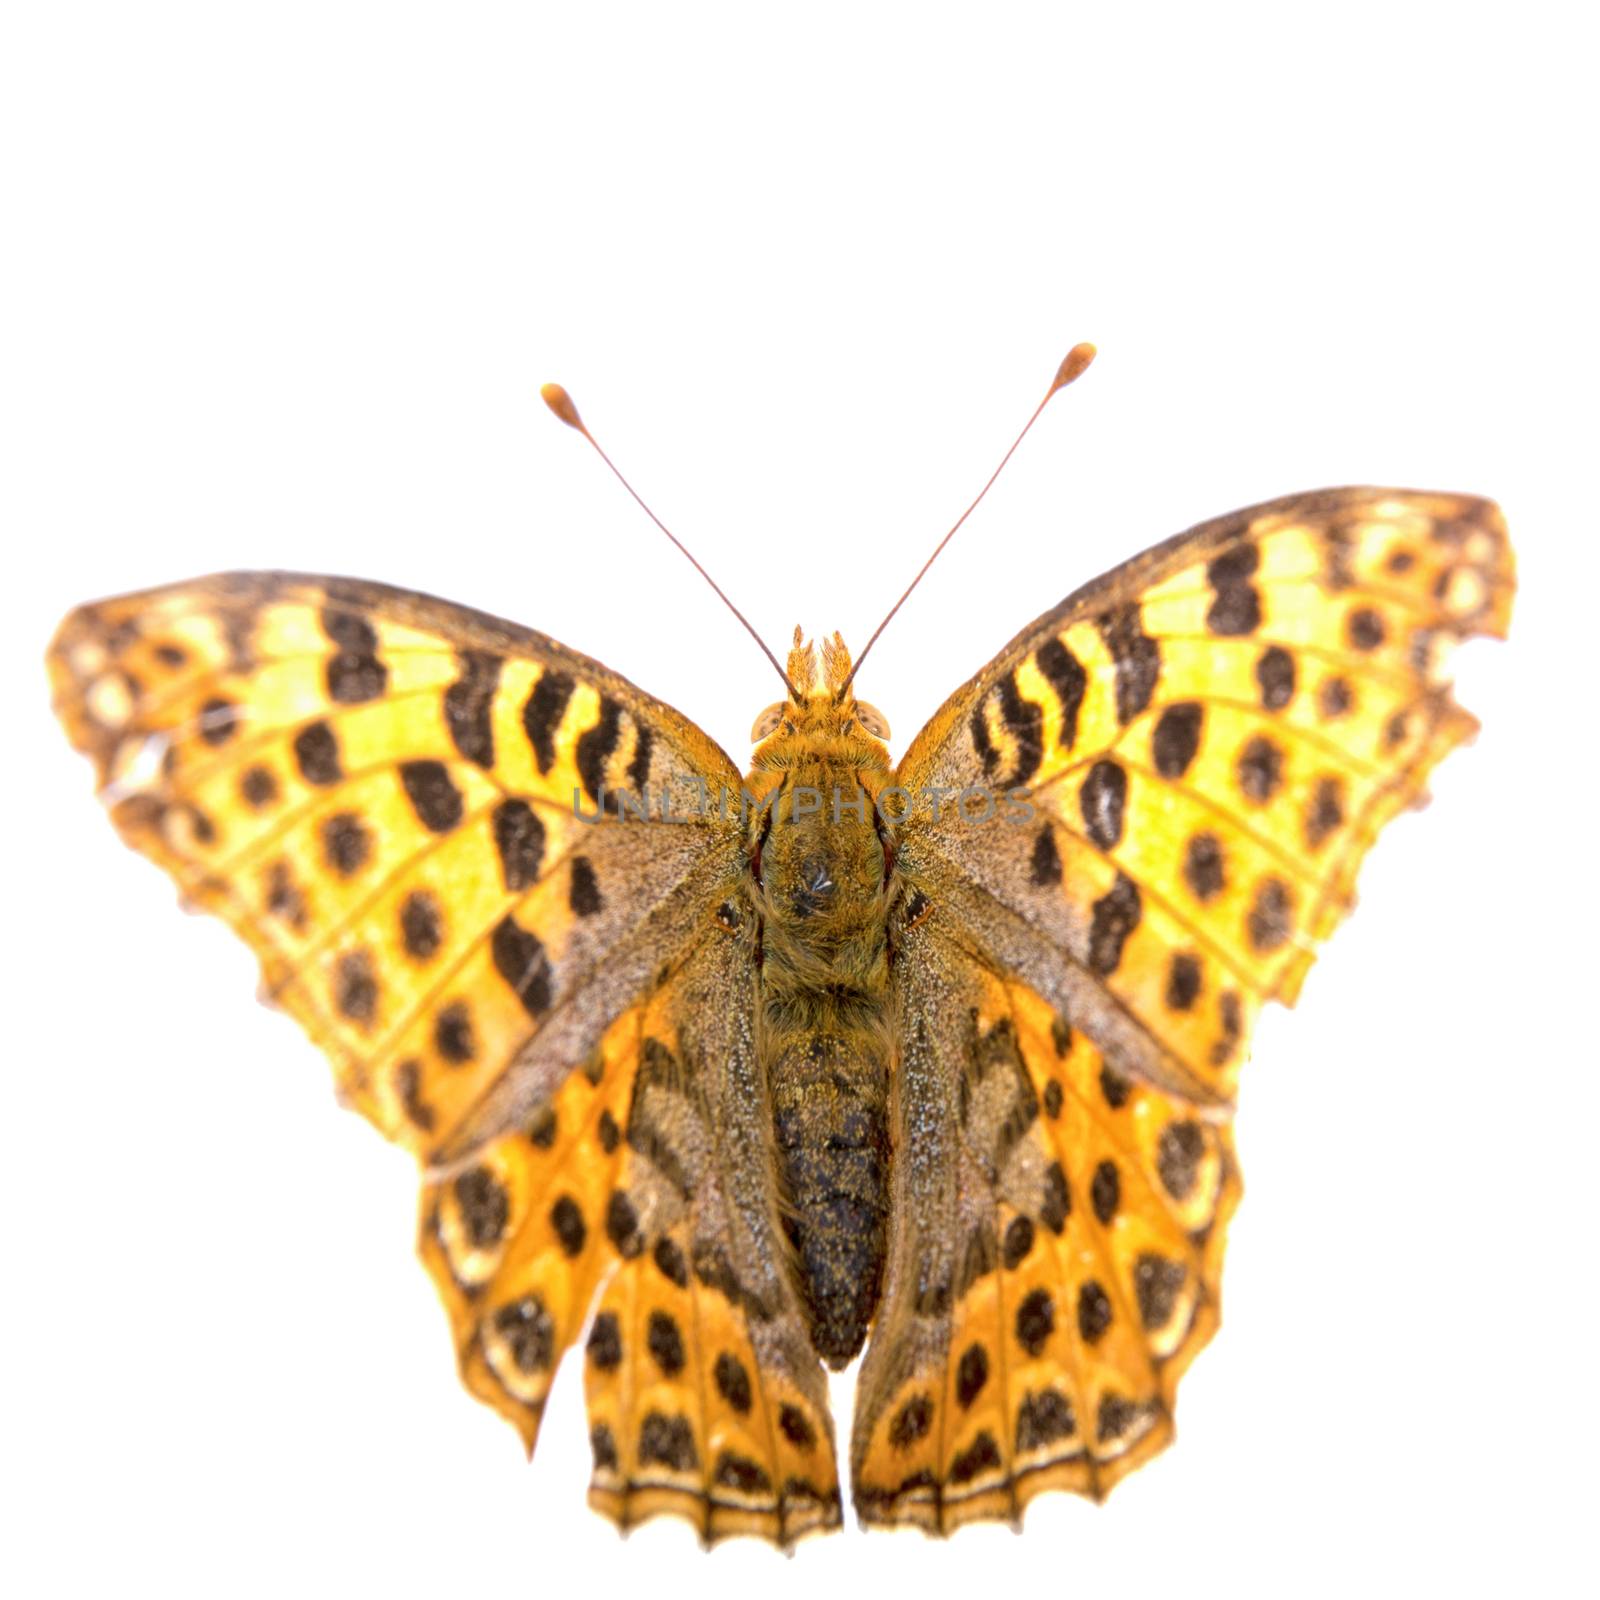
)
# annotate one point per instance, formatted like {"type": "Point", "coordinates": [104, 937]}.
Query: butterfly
{"type": "Point", "coordinates": [724, 1076]}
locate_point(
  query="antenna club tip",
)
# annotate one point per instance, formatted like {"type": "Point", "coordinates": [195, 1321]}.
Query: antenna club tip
{"type": "Point", "coordinates": [1074, 364]}
{"type": "Point", "coordinates": [560, 402]}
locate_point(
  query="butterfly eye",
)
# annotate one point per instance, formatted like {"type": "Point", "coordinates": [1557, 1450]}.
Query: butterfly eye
{"type": "Point", "coordinates": [872, 719]}
{"type": "Point", "coordinates": [767, 723]}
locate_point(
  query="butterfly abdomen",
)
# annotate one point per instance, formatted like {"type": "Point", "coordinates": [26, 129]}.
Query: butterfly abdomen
{"type": "Point", "coordinates": [830, 1123]}
{"type": "Point", "coordinates": [824, 1040]}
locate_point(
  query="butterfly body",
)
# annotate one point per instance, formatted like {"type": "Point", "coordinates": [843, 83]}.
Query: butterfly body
{"type": "Point", "coordinates": [822, 885]}
{"type": "Point", "coordinates": [712, 1077]}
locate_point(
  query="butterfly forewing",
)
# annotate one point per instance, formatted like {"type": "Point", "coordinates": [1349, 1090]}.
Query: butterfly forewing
{"type": "Point", "coordinates": [1211, 737]}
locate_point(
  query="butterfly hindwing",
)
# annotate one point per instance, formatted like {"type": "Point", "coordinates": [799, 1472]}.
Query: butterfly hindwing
{"type": "Point", "coordinates": [705, 1395]}
{"type": "Point", "coordinates": [1056, 1266]}
{"type": "Point", "coordinates": [629, 1192]}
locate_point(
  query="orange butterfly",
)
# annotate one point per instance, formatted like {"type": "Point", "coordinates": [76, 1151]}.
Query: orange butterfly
{"type": "Point", "coordinates": [722, 1074]}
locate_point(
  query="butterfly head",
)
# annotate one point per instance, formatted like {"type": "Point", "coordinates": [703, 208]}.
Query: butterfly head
{"type": "Point", "coordinates": [822, 704]}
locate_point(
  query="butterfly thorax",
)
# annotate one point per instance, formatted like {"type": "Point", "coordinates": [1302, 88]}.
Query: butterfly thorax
{"type": "Point", "coordinates": [819, 876]}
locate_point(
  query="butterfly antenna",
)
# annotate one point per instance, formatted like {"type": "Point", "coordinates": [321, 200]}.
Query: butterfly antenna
{"type": "Point", "coordinates": [1073, 365]}
{"type": "Point", "coordinates": [560, 402]}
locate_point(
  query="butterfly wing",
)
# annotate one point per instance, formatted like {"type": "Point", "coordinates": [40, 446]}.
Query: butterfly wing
{"type": "Point", "coordinates": [391, 799]}
{"type": "Point", "coordinates": [1211, 737]}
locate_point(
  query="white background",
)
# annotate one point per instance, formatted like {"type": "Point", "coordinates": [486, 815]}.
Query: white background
{"type": "Point", "coordinates": [280, 285]}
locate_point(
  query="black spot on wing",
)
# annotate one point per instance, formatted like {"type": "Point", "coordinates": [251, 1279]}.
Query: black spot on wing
{"type": "Point", "coordinates": [1178, 1155]}
{"type": "Point", "coordinates": [1326, 812]}
{"type": "Point", "coordinates": [1137, 658]}
{"type": "Point", "coordinates": [1231, 1020]}
{"type": "Point", "coordinates": [1176, 738]}
{"type": "Point", "coordinates": [982, 1455]}
{"type": "Point", "coordinates": [1046, 865]}
{"type": "Point", "coordinates": [433, 794]}
{"type": "Point", "coordinates": [1055, 1204]}
{"type": "Point", "coordinates": [355, 986]}
{"type": "Point", "coordinates": [622, 1226]}
{"type": "Point", "coordinates": [1105, 1191]}
{"type": "Point", "coordinates": [484, 1206]}
{"type": "Point", "coordinates": [529, 1332]}
{"type": "Point", "coordinates": [219, 721]}
{"type": "Point", "coordinates": [665, 1343]}
{"type": "Point", "coordinates": [316, 753]}
{"type": "Point", "coordinates": [354, 672]}
{"type": "Point", "coordinates": [519, 839]}
{"type": "Point", "coordinates": [982, 743]}
{"type": "Point", "coordinates": [1103, 800]}
{"type": "Point", "coordinates": [603, 1447]}
{"type": "Point", "coordinates": [1334, 698]}
{"type": "Point", "coordinates": [1042, 1418]}
{"type": "Point", "coordinates": [1156, 1285]}
{"type": "Point", "coordinates": [1260, 769]}
{"type": "Point", "coordinates": [1275, 677]}
{"type": "Point", "coordinates": [408, 1088]}
{"type": "Point", "coordinates": [1365, 628]}
{"type": "Point", "coordinates": [1024, 722]}
{"type": "Point", "coordinates": [911, 1422]}
{"type": "Point", "coordinates": [284, 898]}
{"type": "Point", "coordinates": [1202, 866]}
{"type": "Point", "coordinates": [421, 925]}
{"type": "Point", "coordinates": [1064, 673]}
{"type": "Point", "coordinates": [1270, 919]}
{"type": "Point", "coordinates": [639, 766]}
{"type": "Point", "coordinates": [453, 1034]}
{"type": "Point", "coordinates": [583, 894]}
{"type": "Point", "coordinates": [1115, 1088]}
{"type": "Point", "coordinates": [346, 843]}
{"type": "Point", "coordinates": [541, 716]}
{"type": "Point", "coordinates": [258, 787]}
{"type": "Point", "coordinates": [1094, 1312]}
{"type": "Point", "coordinates": [1235, 601]}
{"type": "Point", "coordinates": [667, 1442]}
{"type": "Point", "coordinates": [595, 747]}
{"type": "Point", "coordinates": [733, 1382]}
{"type": "Point", "coordinates": [1183, 981]}
{"type": "Point", "coordinates": [796, 1428]}
{"type": "Point", "coordinates": [972, 1373]}
{"type": "Point", "coordinates": [605, 1342]}
{"type": "Point", "coordinates": [1035, 1321]}
{"type": "Point", "coordinates": [1116, 914]}
{"type": "Point", "coordinates": [670, 1262]}
{"type": "Point", "coordinates": [1018, 1242]}
{"type": "Point", "coordinates": [469, 707]}
{"type": "Point", "coordinates": [741, 1474]}
{"type": "Point", "coordinates": [520, 959]}
{"type": "Point", "coordinates": [1114, 1416]}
